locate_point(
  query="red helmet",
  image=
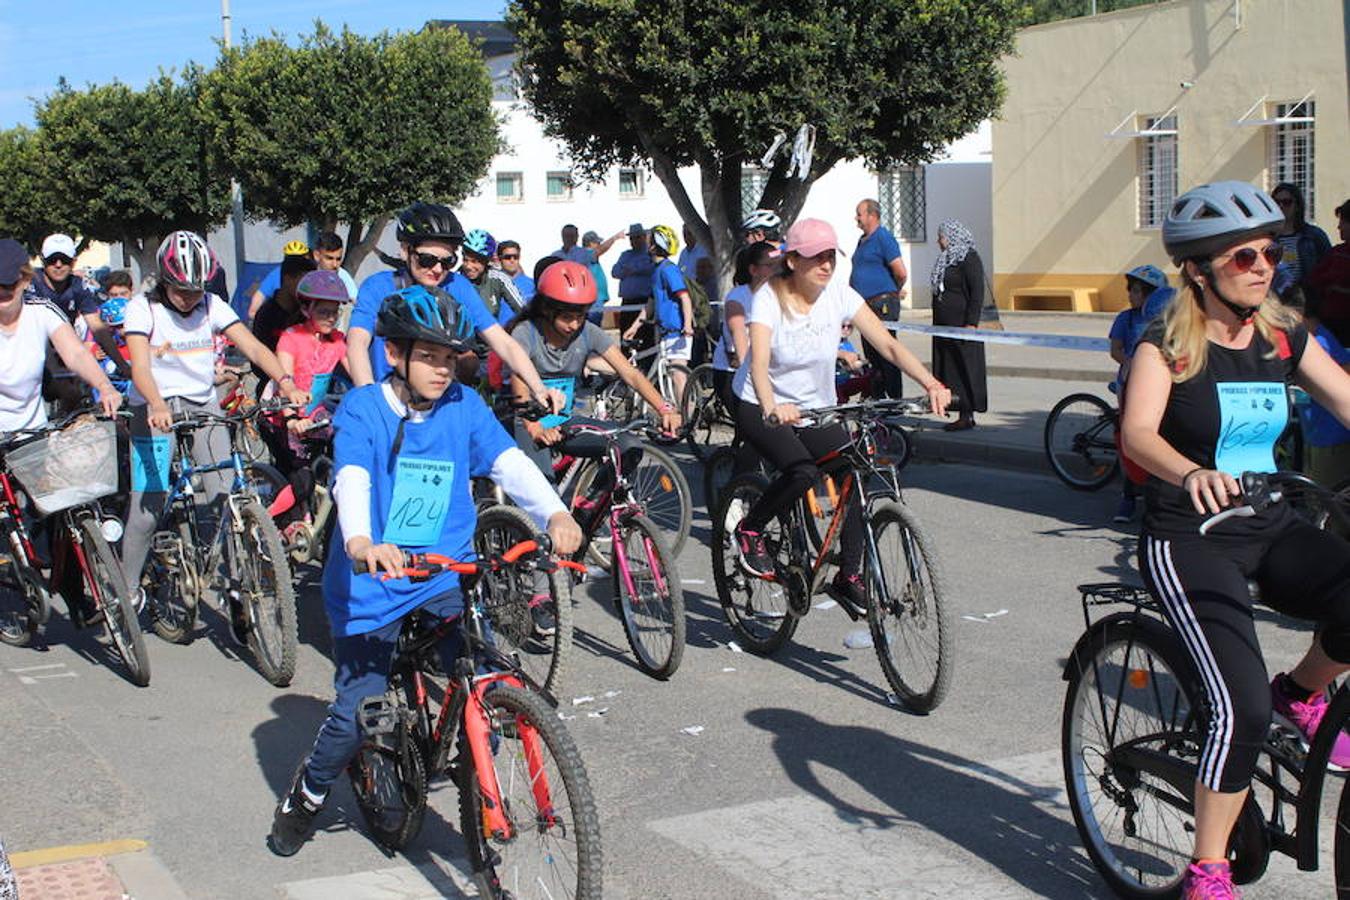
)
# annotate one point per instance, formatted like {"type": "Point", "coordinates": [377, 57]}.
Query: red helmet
{"type": "Point", "coordinates": [568, 282]}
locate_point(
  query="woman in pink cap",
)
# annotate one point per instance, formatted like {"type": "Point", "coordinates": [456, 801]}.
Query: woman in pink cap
{"type": "Point", "coordinates": [795, 322]}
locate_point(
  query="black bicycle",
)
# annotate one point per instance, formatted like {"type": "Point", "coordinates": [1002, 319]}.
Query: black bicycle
{"type": "Point", "coordinates": [1131, 739]}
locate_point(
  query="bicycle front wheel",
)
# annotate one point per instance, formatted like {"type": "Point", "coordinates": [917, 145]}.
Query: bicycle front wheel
{"type": "Point", "coordinates": [659, 486]}
{"type": "Point", "coordinates": [1080, 441]}
{"type": "Point", "coordinates": [755, 608]}
{"type": "Point", "coordinates": [174, 583]}
{"type": "Point", "coordinates": [907, 610]}
{"type": "Point", "coordinates": [511, 590]}
{"type": "Point", "coordinates": [23, 606]}
{"type": "Point", "coordinates": [553, 849]}
{"type": "Point", "coordinates": [650, 600]}
{"type": "Point", "coordinates": [108, 588]}
{"type": "Point", "coordinates": [1130, 748]}
{"type": "Point", "coordinates": [264, 578]}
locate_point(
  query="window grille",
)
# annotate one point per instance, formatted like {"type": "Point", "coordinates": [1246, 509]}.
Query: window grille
{"type": "Point", "coordinates": [1291, 150]}
{"type": "Point", "coordinates": [1157, 181]}
{"type": "Point", "coordinates": [903, 197]}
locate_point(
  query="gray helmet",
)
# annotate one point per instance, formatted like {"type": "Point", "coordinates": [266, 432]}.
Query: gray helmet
{"type": "Point", "coordinates": [1208, 218]}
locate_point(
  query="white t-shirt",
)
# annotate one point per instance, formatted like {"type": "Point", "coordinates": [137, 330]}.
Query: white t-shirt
{"type": "Point", "coordinates": [182, 347]}
{"type": "Point", "coordinates": [803, 348]}
{"type": "Point", "coordinates": [721, 353]}
{"type": "Point", "coordinates": [23, 354]}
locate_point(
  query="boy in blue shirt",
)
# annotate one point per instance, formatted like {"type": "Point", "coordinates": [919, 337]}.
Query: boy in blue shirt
{"type": "Point", "coordinates": [404, 453]}
{"type": "Point", "coordinates": [673, 307]}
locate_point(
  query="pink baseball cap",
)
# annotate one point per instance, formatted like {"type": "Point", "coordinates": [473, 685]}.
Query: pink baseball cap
{"type": "Point", "coordinates": [811, 236]}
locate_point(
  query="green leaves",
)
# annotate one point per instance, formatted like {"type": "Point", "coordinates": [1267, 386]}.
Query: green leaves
{"type": "Point", "coordinates": [26, 208]}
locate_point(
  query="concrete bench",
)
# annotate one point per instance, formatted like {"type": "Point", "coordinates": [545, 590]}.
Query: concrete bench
{"type": "Point", "coordinates": [1071, 299]}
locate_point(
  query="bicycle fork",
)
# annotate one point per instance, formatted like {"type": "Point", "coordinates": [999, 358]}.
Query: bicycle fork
{"type": "Point", "coordinates": [496, 822]}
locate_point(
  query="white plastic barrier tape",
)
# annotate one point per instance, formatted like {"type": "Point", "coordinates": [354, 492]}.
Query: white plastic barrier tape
{"type": "Point", "coordinates": [1020, 338]}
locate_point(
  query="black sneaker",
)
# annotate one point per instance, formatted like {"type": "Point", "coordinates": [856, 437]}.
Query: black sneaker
{"type": "Point", "coordinates": [545, 625]}
{"type": "Point", "coordinates": [848, 590]}
{"type": "Point", "coordinates": [293, 822]}
{"type": "Point", "coordinates": [755, 558]}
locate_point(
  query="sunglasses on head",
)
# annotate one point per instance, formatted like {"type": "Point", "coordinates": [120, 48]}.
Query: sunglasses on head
{"type": "Point", "coordinates": [1245, 258]}
{"type": "Point", "coordinates": [431, 260]}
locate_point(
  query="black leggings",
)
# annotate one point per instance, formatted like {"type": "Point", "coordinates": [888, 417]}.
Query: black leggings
{"type": "Point", "coordinates": [793, 452]}
{"type": "Point", "coordinates": [1202, 583]}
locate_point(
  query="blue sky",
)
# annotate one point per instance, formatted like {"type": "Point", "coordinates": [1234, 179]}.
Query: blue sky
{"type": "Point", "coordinates": [91, 42]}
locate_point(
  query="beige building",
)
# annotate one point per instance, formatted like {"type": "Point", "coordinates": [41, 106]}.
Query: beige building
{"type": "Point", "coordinates": [1109, 117]}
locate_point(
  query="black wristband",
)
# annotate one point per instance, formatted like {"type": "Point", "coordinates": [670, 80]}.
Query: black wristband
{"type": "Point", "coordinates": [1185, 477]}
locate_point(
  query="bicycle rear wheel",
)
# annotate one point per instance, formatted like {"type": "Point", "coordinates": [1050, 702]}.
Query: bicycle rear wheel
{"type": "Point", "coordinates": [649, 597]}
{"type": "Point", "coordinates": [1080, 441]}
{"type": "Point", "coordinates": [24, 606]}
{"type": "Point", "coordinates": [706, 420]}
{"type": "Point", "coordinates": [173, 583]}
{"type": "Point", "coordinates": [907, 610]}
{"type": "Point", "coordinates": [756, 609]}
{"type": "Point", "coordinates": [543, 658]}
{"type": "Point", "coordinates": [1130, 748]}
{"type": "Point", "coordinates": [718, 469]}
{"type": "Point", "coordinates": [265, 589]}
{"type": "Point", "coordinates": [554, 850]}
{"type": "Point", "coordinates": [108, 588]}
{"type": "Point", "coordinates": [389, 779]}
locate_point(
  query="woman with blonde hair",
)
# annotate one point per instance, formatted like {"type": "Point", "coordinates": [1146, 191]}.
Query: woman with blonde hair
{"type": "Point", "coordinates": [1205, 402]}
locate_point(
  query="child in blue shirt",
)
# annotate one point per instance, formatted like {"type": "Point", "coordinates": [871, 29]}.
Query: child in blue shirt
{"type": "Point", "coordinates": [404, 453]}
{"type": "Point", "coordinates": [672, 305]}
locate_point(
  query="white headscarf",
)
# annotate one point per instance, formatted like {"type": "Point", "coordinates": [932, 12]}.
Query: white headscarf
{"type": "Point", "coordinates": [959, 242]}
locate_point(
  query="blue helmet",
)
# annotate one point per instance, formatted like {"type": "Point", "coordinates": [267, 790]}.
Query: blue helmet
{"type": "Point", "coordinates": [1150, 275]}
{"type": "Point", "coordinates": [417, 314]}
{"type": "Point", "coordinates": [113, 311]}
{"type": "Point", "coordinates": [480, 243]}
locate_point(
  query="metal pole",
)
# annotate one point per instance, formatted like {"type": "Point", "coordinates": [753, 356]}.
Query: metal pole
{"type": "Point", "coordinates": [236, 193]}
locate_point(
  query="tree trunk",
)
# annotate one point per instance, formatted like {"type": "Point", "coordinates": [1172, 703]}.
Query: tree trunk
{"type": "Point", "coordinates": [142, 253]}
{"type": "Point", "coordinates": [359, 246]}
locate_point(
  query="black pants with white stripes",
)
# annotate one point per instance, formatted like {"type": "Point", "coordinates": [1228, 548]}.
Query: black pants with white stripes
{"type": "Point", "coordinates": [1202, 584]}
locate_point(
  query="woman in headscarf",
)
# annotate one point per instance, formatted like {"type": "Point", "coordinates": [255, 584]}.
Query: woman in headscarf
{"type": "Point", "coordinates": [958, 297]}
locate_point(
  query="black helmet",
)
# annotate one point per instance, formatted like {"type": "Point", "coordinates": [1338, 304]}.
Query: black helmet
{"type": "Point", "coordinates": [417, 314]}
{"type": "Point", "coordinates": [428, 222]}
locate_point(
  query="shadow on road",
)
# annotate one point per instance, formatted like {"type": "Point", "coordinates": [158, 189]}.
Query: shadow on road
{"type": "Point", "coordinates": [994, 816]}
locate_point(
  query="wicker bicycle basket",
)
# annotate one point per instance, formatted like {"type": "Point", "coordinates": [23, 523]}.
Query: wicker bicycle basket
{"type": "Point", "coordinates": [69, 467]}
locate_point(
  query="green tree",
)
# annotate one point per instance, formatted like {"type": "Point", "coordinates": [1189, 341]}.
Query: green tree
{"type": "Point", "coordinates": [711, 82]}
{"type": "Point", "coordinates": [28, 211]}
{"type": "Point", "coordinates": [345, 128]}
{"type": "Point", "coordinates": [131, 166]}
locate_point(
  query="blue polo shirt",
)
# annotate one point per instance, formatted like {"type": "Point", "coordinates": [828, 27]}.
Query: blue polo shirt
{"type": "Point", "coordinates": [524, 284]}
{"type": "Point", "coordinates": [75, 299]}
{"type": "Point", "coordinates": [380, 285]}
{"type": "Point", "coordinates": [871, 264]}
{"type": "Point", "coordinates": [666, 283]}
{"type": "Point", "coordinates": [419, 500]}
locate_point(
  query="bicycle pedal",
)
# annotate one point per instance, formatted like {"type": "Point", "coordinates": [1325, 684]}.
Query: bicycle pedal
{"type": "Point", "coordinates": [377, 715]}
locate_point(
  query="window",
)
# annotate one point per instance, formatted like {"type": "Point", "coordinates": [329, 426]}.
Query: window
{"type": "Point", "coordinates": [1157, 143]}
{"type": "Point", "coordinates": [559, 186]}
{"type": "Point", "coordinates": [510, 187]}
{"type": "Point", "coordinates": [1291, 149]}
{"type": "Point", "coordinates": [630, 183]}
{"type": "Point", "coordinates": [753, 180]}
{"type": "Point", "coordinates": [903, 197]}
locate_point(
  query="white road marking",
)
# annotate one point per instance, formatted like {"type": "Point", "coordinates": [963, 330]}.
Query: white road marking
{"type": "Point", "coordinates": [45, 673]}
{"type": "Point", "coordinates": [396, 883]}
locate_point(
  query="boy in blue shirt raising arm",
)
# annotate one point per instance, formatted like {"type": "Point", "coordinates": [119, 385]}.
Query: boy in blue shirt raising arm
{"type": "Point", "coordinates": [405, 450]}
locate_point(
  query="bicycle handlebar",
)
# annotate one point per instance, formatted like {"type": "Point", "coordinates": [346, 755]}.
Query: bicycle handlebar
{"type": "Point", "coordinates": [421, 566]}
{"type": "Point", "coordinates": [11, 438]}
{"type": "Point", "coordinates": [198, 418]}
{"type": "Point", "coordinates": [910, 406]}
{"type": "Point", "coordinates": [1262, 490]}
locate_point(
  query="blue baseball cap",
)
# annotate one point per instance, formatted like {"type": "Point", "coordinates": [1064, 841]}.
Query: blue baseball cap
{"type": "Point", "coordinates": [12, 258]}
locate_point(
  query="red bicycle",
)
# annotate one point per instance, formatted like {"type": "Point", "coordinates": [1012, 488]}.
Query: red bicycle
{"type": "Point", "coordinates": [527, 813]}
{"type": "Point", "coordinates": [64, 469]}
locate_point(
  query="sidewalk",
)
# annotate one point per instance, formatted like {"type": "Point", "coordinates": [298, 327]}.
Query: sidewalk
{"type": "Point", "coordinates": [113, 870]}
{"type": "Point", "coordinates": [1024, 385]}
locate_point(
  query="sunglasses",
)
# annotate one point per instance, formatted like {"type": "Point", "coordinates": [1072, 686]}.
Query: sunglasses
{"type": "Point", "coordinates": [431, 261]}
{"type": "Point", "coordinates": [58, 260]}
{"type": "Point", "coordinates": [509, 256]}
{"type": "Point", "coordinates": [1245, 258]}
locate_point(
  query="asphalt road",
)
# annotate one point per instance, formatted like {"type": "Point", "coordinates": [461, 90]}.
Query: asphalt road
{"type": "Point", "coordinates": [804, 782]}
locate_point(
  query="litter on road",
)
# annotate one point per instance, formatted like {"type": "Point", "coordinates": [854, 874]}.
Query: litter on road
{"type": "Point", "coordinates": [693, 730]}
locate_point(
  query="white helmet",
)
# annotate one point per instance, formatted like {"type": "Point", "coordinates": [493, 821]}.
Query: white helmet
{"type": "Point", "coordinates": [762, 220]}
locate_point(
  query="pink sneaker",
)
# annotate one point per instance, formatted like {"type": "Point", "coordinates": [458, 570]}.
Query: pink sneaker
{"type": "Point", "coordinates": [1208, 881]}
{"type": "Point", "coordinates": [1305, 715]}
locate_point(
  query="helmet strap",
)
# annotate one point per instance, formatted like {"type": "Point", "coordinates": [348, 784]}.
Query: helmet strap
{"type": "Point", "coordinates": [1244, 313]}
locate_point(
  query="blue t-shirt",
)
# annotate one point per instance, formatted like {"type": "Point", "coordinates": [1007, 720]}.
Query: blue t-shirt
{"type": "Point", "coordinates": [666, 283]}
{"type": "Point", "coordinates": [597, 312]}
{"type": "Point", "coordinates": [871, 264]}
{"type": "Point", "coordinates": [419, 500]}
{"type": "Point", "coordinates": [271, 283]}
{"type": "Point", "coordinates": [380, 285]}
{"type": "Point", "coordinates": [1320, 427]}
{"type": "Point", "coordinates": [524, 284]}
